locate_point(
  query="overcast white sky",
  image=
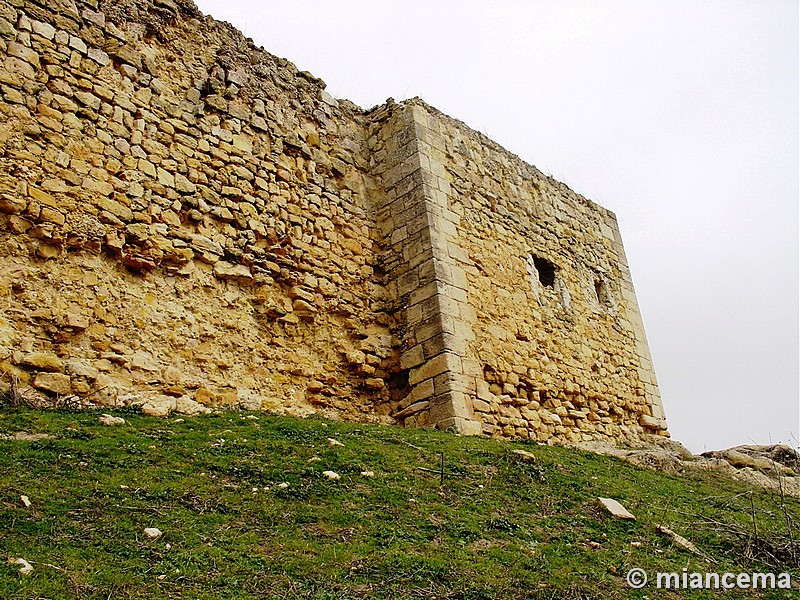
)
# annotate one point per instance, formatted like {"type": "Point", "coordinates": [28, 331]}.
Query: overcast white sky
{"type": "Point", "coordinates": [680, 116]}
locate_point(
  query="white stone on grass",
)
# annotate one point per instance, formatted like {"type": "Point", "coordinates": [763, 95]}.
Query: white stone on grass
{"type": "Point", "coordinates": [616, 509]}
{"type": "Point", "coordinates": [26, 569]}
{"type": "Point", "coordinates": [110, 420]}
{"type": "Point", "coordinates": [525, 455]}
{"type": "Point", "coordinates": [679, 540]}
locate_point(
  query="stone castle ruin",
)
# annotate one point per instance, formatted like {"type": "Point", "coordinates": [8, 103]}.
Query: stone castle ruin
{"type": "Point", "coordinates": [187, 221]}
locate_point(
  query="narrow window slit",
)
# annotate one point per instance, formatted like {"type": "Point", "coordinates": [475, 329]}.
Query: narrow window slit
{"type": "Point", "coordinates": [545, 270]}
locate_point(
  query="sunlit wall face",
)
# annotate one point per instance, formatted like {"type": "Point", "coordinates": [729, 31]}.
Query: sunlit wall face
{"type": "Point", "coordinates": [680, 117]}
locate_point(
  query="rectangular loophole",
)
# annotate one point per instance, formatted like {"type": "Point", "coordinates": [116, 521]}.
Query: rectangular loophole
{"type": "Point", "coordinates": [545, 270]}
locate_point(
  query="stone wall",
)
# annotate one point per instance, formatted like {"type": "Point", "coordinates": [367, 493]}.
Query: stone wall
{"type": "Point", "coordinates": [520, 314]}
{"type": "Point", "coordinates": [557, 330]}
{"type": "Point", "coordinates": [188, 221]}
{"type": "Point", "coordinates": [428, 286]}
{"type": "Point", "coordinates": [186, 216]}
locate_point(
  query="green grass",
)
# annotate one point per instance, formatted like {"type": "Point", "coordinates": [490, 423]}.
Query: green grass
{"type": "Point", "coordinates": [499, 527]}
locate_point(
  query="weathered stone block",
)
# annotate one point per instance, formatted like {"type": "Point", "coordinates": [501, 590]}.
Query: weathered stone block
{"type": "Point", "coordinates": [24, 53]}
{"type": "Point", "coordinates": [439, 364]}
{"type": "Point", "coordinates": [44, 30]}
{"type": "Point", "coordinates": [98, 56]}
{"type": "Point", "coordinates": [57, 383]}
{"type": "Point", "coordinates": [374, 383]}
{"type": "Point", "coordinates": [12, 205]}
{"type": "Point", "coordinates": [43, 362]}
{"type": "Point", "coordinates": [226, 270]}
{"type": "Point", "coordinates": [413, 357]}
{"type": "Point", "coordinates": [161, 406]}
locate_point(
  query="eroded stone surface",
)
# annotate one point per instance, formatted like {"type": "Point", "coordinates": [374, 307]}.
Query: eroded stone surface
{"type": "Point", "coordinates": [775, 467]}
{"type": "Point", "coordinates": [188, 222]}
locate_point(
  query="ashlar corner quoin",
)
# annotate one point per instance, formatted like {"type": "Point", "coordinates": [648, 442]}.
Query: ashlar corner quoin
{"type": "Point", "coordinates": [188, 221]}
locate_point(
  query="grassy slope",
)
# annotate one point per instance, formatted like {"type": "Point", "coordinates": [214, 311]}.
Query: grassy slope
{"type": "Point", "coordinates": [498, 528]}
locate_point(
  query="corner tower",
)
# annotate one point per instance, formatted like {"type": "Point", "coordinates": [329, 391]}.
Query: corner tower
{"type": "Point", "coordinates": [516, 312]}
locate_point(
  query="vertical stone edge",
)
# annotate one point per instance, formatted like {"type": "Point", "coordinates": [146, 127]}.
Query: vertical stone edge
{"type": "Point", "coordinates": [453, 405]}
{"type": "Point", "coordinates": [655, 422]}
{"type": "Point", "coordinates": [430, 288]}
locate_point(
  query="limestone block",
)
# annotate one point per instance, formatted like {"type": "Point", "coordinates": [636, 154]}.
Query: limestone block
{"type": "Point", "coordinates": [24, 53]}
{"type": "Point", "coordinates": [461, 426]}
{"type": "Point", "coordinates": [16, 71]}
{"type": "Point", "coordinates": [421, 391]}
{"type": "Point", "coordinates": [439, 364]}
{"type": "Point", "coordinates": [443, 408]}
{"type": "Point", "coordinates": [89, 100]}
{"type": "Point", "coordinates": [424, 293]}
{"type": "Point", "coordinates": [43, 362]}
{"type": "Point", "coordinates": [616, 509]}
{"type": "Point", "coordinates": [77, 321]}
{"type": "Point", "coordinates": [13, 96]}
{"type": "Point", "coordinates": [481, 406]}
{"type": "Point", "coordinates": [159, 406]}
{"type": "Point", "coordinates": [243, 143]}
{"type": "Point", "coordinates": [82, 368]}
{"type": "Point", "coordinates": [412, 409]}
{"type": "Point", "coordinates": [44, 30]}
{"type": "Point", "coordinates": [144, 361]}
{"type": "Point", "coordinates": [95, 18]}
{"type": "Point", "coordinates": [205, 244]}
{"type": "Point", "coordinates": [412, 357]}
{"type": "Point", "coordinates": [165, 177]}
{"type": "Point", "coordinates": [649, 422]}
{"type": "Point", "coordinates": [226, 270]}
{"type": "Point", "coordinates": [315, 386]}
{"type": "Point", "coordinates": [12, 205]}
{"type": "Point", "coordinates": [304, 310]}
{"type": "Point", "coordinates": [58, 383]}
{"type": "Point", "coordinates": [115, 208]}
{"type": "Point", "coordinates": [148, 168]}
{"type": "Point", "coordinates": [186, 406]}
{"type": "Point", "coordinates": [183, 185]}
{"type": "Point", "coordinates": [356, 357]}
{"type": "Point", "coordinates": [374, 383]}
{"type": "Point", "coordinates": [77, 44]}
{"type": "Point", "coordinates": [429, 328]}
{"type": "Point", "coordinates": [6, 28]}
{"type": "Point", "coordinates": [98, 56]}
{"type": "Point", "coordinates": [483, 391]}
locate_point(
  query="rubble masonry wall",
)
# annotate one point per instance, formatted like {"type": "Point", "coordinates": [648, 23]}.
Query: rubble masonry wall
{"type": "Point", "coordinates": [188, 221]}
